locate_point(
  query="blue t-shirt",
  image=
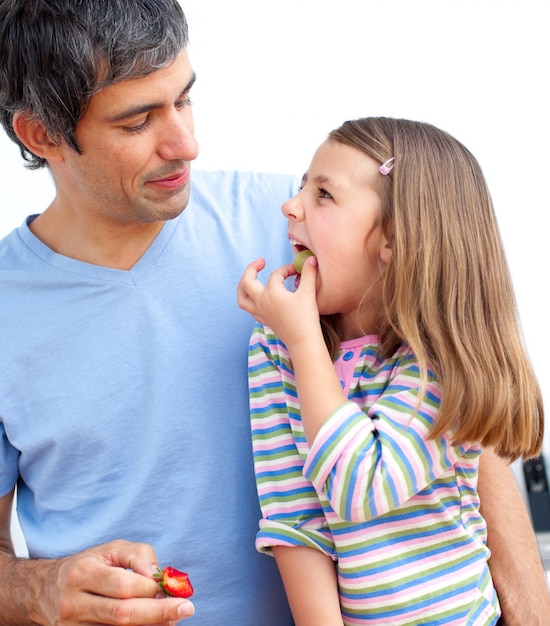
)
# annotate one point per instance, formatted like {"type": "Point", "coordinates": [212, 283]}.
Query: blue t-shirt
{"type": "Point", "coordinates": [123, 396]}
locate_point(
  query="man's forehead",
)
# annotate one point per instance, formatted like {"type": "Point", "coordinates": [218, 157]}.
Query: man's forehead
{"type": "Point", "coordinates": [159, 88]}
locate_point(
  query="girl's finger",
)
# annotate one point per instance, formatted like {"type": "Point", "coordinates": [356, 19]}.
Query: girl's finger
{"type": "Point", "coordinates": [308, 277]}
{"type": "Point", "coordinates": [279, 275]}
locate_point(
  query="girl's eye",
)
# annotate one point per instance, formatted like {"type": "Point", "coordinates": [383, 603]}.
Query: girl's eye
{"type": "Point", "coordinates": [323, 193]}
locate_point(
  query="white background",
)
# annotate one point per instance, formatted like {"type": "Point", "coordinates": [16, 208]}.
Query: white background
{"type": "Point", "coordinates": [275, 77]}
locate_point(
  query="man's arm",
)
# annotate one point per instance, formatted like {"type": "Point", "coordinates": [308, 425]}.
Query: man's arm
{"type": "Point", "coordinates": [515, 562]}
{"type": "Point", "coordinates": [109, 584]}
{"type": "Point", "coordinates": [6, 504]}
{"type": "Point", "coordinates": [16, 592]}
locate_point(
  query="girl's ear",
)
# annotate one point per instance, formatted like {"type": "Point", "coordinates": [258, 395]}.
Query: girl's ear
{"type": "Point", "coordinates": [35, 137]}
{"type": "Point", "coordinates": [385, 252]}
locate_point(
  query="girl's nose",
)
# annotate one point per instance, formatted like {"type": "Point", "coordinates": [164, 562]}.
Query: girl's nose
{"type": "Point", "coordinates": [292, 209]}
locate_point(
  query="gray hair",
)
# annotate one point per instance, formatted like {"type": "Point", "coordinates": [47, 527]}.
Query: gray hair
{"type": "Point", "coordinates": [57, 53]}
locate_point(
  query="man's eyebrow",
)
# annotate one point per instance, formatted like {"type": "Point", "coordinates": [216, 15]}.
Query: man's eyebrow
{"type": "Point", "coordinates": [148, 106]}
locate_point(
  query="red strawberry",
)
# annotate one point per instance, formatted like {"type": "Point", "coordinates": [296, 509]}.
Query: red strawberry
{"type": "Point", "coordinates": [174, 583]}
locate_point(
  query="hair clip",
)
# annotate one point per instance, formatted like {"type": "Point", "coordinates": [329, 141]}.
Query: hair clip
{"type": "Point", "coordinates": [387, 167]}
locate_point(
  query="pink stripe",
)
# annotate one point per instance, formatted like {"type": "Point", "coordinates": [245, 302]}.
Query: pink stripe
{"type": "Point", "coordinates": [444, 605]}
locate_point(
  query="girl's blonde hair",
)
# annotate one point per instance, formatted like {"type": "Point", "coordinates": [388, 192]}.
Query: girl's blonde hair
{"type": "Point", "coordinates": [447, 292]}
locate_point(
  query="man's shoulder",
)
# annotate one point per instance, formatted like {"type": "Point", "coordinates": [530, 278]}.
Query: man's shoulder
{"type": "Point", "coordinates": [242, 176]}
{"type": "Point", "coordinates": [11, 249]}
{"type": "Point", "coordinates": [240, 212]}
{"type": "Point", "coordinates": [241, 186]}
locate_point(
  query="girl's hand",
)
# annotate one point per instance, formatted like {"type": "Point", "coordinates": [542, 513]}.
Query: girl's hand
{"type": "Point", "coordinates": [291, 314]}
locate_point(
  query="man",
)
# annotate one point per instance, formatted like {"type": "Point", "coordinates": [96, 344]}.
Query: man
{"type": "Point", "coordinates": [123, 400]}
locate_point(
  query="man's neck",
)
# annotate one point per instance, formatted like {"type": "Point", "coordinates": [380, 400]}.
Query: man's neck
{"type": "Point", "coordinates": [107, 244]}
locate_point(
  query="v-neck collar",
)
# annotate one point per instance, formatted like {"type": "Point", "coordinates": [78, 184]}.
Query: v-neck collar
{"type": "Point", "coordinates": [98, 272]}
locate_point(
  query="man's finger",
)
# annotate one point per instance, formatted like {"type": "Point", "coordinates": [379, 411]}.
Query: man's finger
{"type": "Point", "coordinates": [138, 611]}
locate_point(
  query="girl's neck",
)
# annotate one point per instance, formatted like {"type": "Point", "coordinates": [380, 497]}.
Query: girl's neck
{"type": "Point", "coordinates": [359, 324]}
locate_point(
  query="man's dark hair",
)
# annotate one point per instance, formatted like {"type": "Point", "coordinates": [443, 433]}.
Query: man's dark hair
{"type": "Point", "coordinates": [55, 54]}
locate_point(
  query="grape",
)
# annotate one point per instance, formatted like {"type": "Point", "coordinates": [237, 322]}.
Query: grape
{"type": "Point", "coordinates": [300, 259]}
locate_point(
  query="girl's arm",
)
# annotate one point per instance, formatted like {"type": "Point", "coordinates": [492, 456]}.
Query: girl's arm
{"type": "Point", "coordinates": [293, 527]}
{"type": "Point", "coordinates": [351, 444]}
{"type": "Point", "coordinates": [294, 317]}
{"type": "Point", "coordinates": [309, 578]}
{"type": "Point", "coordinates": [515, 562]}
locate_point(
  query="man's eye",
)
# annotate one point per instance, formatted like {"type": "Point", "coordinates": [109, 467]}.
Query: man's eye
{"type": "Point", "coordinates": [138, 127]}
{"type": "Point", "coordinates": [184, 102]}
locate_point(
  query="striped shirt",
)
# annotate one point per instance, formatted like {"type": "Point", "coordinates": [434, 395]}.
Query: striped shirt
{"type": "Point", "coordinates": [397, 511]}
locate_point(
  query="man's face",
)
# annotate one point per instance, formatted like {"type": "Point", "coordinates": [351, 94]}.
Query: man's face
{"type": "Point", "coordinates": [137, 141]}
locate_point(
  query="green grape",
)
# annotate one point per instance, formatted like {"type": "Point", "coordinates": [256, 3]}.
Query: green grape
{"type": "Point", "coordinates": [300, 259]}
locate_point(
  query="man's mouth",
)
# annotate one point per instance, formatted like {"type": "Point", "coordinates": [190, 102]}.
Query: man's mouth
{"type": "Point", "coordinates": [171, 181]}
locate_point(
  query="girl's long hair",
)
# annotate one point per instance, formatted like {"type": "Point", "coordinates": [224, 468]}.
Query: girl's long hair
{"type": "Point", "coordinates": [447, 292]}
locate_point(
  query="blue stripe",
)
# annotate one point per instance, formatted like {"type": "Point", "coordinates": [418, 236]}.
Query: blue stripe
{"type": "Point", "coordinates": [354, 476]}
{"type": "Point", "coordinates": [416, 558]}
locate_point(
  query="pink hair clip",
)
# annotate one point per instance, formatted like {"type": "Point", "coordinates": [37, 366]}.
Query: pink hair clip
{"type": "Point", "coordinates": [387, 167]}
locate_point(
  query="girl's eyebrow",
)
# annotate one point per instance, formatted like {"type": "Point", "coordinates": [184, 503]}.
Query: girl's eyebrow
{"type": "Point", "coordinates": [148, 106]}
{"type": "Point", "coordinates": [323, 179]}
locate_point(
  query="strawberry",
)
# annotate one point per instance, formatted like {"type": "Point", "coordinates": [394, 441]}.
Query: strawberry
{"type": "Point", "coordinates": [174, 583]}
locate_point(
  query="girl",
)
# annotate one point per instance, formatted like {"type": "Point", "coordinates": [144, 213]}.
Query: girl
{"type": "Point", "coordinates": [376, 382]}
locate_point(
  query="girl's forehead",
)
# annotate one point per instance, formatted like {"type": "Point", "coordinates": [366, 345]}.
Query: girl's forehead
{"type": "Point", "coordinates": [340, 164]}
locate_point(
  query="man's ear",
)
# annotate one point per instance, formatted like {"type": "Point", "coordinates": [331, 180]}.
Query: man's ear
{"type": "Point", "coordinates": [35, 137]}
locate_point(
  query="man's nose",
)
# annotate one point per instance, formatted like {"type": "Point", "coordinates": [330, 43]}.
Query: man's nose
{"type": "Point", "coordinates": [178, 142]}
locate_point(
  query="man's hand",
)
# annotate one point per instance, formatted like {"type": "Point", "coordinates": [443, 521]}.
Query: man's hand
{"type": "Point", "coordinates": [110, 584]}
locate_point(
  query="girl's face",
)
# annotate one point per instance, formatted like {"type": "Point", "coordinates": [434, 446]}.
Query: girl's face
{"type": "Point", "coordinates": [336, 215]}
